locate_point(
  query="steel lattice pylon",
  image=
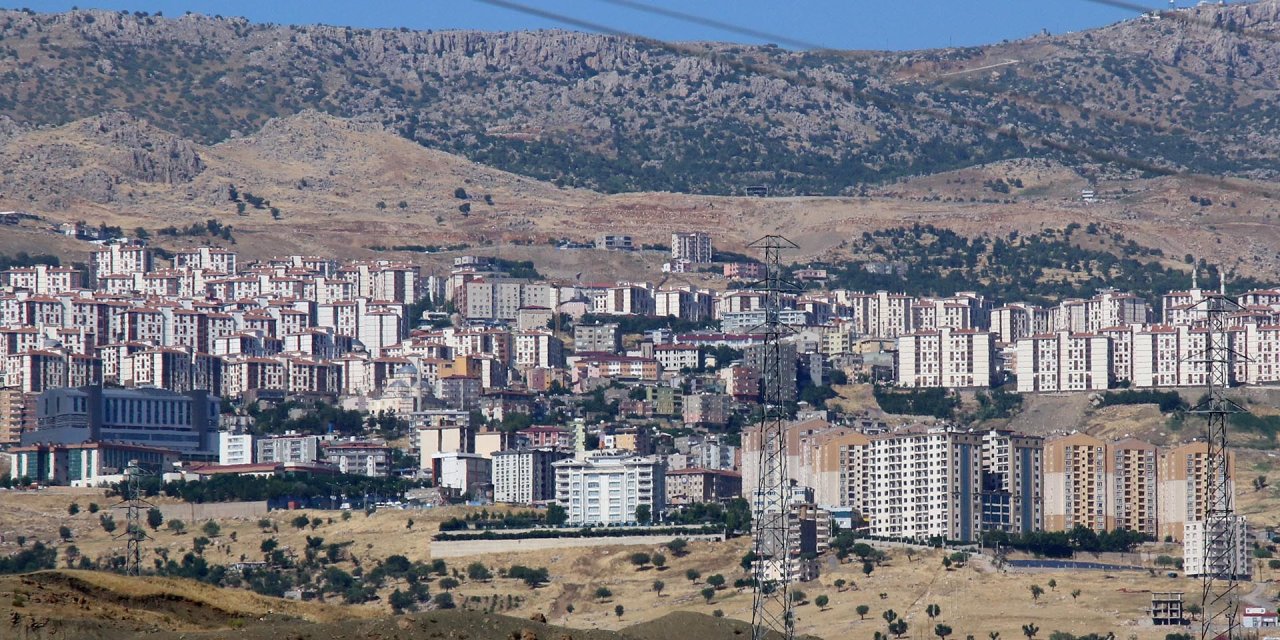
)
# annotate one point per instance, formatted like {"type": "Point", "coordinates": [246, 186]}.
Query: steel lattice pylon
{"type": "Point", "coordinates": [134, 533]}
{"type": "Point", "coordinates": [1221, 570]}
{"type": "Point", "coordinates": [771, 613]}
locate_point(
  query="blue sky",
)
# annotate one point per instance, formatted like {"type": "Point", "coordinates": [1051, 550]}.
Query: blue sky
{"type": "Point", "coordinates": [843, 24]}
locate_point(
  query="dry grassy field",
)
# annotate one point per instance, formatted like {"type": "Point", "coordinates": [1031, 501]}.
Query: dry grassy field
{"type": "Point", "coordinates": [975, 599]}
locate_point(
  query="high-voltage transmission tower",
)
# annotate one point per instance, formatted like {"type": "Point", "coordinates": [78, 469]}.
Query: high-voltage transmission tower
{"type": "Point", "coordinates": [1222, 528]}
{"type": "Point", "coordinates": [134, 533]}
{"type": "Point", "coordinates": [771, 612]}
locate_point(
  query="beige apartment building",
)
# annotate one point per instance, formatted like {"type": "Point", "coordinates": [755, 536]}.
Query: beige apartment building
{"type": "Point", "coordinates": [1183, 487]}
{"type": "Point", "coordinates": [1075, 483]}
{"type": "Point", "coordinates": [1100, 485]}
{"type": "Point", "coordinates": [1132, 498]}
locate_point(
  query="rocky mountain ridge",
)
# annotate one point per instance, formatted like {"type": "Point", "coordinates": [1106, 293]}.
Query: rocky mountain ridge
{"type": "Point", "coordinates": [1188, 90]}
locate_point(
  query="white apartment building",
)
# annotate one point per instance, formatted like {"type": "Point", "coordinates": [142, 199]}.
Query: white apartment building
{"type": "Point", "coordinates": [467, 473]}
{"type": "Point", "coordinates": [881, 314]}
{"type": "Point", "coordinates": [502, 298]}
{"type": "Point", "coordinates": [206, 258]}
{"type": "Point", "coordinates": [290, 447]}
{"type": "Point", "coordinates": [952, 358]}
{"type": "Point", "coordinates": [1214, 556]}
{"type": "Point", "coordinates": [538, 348]}
{"type": "Point", "coordinates": [235, 448]}
{"type": "Point", "coordinates": [121, 259]}
{"type": "Point", "coordinates": [1012, 482]}
{"type": "Point", "coordinates": [1063, 361]}
{"type": "Point", "coordinates": [694, 247]}
{"type": "Point", "coordinates": [525, 476]}
{"type": "Point", "coordinates": [922, 485]}
{"type": "Point", "coordinates": [606, 489]}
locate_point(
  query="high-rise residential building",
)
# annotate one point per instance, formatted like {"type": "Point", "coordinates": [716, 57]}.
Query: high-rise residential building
{"type": "Point", "coordinates": [597, 338]}
{"type": "Point", "coordinates": [121, 259]}
{"type": "Point", "coordinates": [1063, 361]}
{"type": "Point", "coordinates": [17, 414]}
{"type": "Point", "coordinates": [494, 298]}
{"type": "Point", "coordinates": [1219, 547]}
{"type": "Point", "coordinates": [185, 422]}
{"type": "Point", "coordinates": [924, 485]}
{"type": "Point", "coordinates": [785, 378]}
{"type": "Point", "coordinates": [1184, 486]}
{"type": "Point", "coordinates": [606, 489]}
{"type": "Point", "coordinates": [363, 458]}
{"type": "Point", "coordinates": [468, 474]}
{"type": "Point", "coordinates": [694, 247]}
{"type": "Point", "coordinates": [881, 314]}
{"type": "Point", "coordinates": [952, 358]}
{"type": "Point", "coordinates": [1012, 482]}
{"type": "Point", "coordinates": [525, 476]}
{"type": "Point", "coordinates": [1131, 486]}
{"type": "Point", "coordinates": [1075, 483]}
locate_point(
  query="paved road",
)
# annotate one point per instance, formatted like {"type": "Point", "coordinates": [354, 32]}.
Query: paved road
{"type": "Point", "coordinates": [1072, 564]}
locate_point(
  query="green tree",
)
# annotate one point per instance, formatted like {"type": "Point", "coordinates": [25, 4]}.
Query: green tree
{"type": "Point", "coordinates": [64, 532]}
{"type": "Point", "coordinates": [1030, 630]}
{"type": "Point", "coordinates": [1053, 584]}
{"type": "Point", "coordinates": [154, 518]}
{"type": "Point", "coordinates": [603, 593]}
{"type": "Point", "coordinates": [868, 567]}
{"type": "Point", "coordinates": [640, 559]}
{"type": "Point", "coordinates": [556, 515]}
{"type": "Point", "coordinates": [933, 611]}
{"type": "Point", "coordinates": [73, 509]}
{"type": "Point", "coordinates": [898, 628]}
{"type": "Point", "coordinates": [862, 611]}
{"type": "Point", "coordinates": [677, 547]}
{"type": "Point", "coordinates": [443, 601]}
{"type": "Point", "coordinates": [822, 601]}
{"type": "Point", "coordinates": [715, 580]}
{"type": "Point", "coordinates": [93, 507]}
{"type": "Point", "coordinates": [889, 616]}
{"type": "Point", "coordinates": [659, 560]}
{"type": "Point", "coordinates": [658, 586]}
{"type": "Point", "coordinates": [993, 635]}
{"type": "Point", "coordinates": [211, 529]}
{"type": "Point", "coordinates": [798, 596]}
{"type": "Point", "coordinates": [477, 571]}
{"type": "Point", "coordinates": [177, 527]}
{"type": "Point", "coordinates": [108, 523]}
{"type": "Point", "coordinates": [448, 584]}
{"type": "Point", "coordinates": [708, 593]}
{"type": "Point", "coordinates": [300, 522]}
{"type": "Point", "coordinates": [401, 601]}
{"type": "Point", "coordinates": [1036, 592]}
{"type": "Point", "coordinates": [941, 630]}
{"type": "Point", "coordinates": [618, 610]}
{"type": "Point", "coordinates": [644, 514]}
{"type": "Point", "coordinates": [693, 575]}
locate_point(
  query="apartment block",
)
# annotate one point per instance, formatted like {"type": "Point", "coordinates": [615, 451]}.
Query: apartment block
{"type": "Point", "coordinates": [606, 489]}
{"type": "Point", "coordinates": [1184, 487]}
{"type": "Point", "coordinates": [1218, 547]}
{"type": "Point", "coordinates": [694, 247]}
{"type": "Point", "coordinates": [1075, 483]}
{"type": "Point", "coordinates": [924, 485]}
{"type": "Point", "coordinates": [1012, 482]}
{"type": "Point", "coordinates": [17, 414]}
{"type": "Point", "coordinates": [526, 476]}
{"type": "Point", "coordinates": [1132, 486]}
{"type": "Point", "coordinates": [1063, 361]}
{"type": "Point", "coordinates": [597, 338]}
{"type": "Point", "coordinates": [695, 485]}
{"type": "Point", "coordinates": [759, 358]}
{"type": "Point", "coordinates": [952, 358]}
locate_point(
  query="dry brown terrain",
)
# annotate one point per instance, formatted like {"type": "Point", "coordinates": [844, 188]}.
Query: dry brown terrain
{"type": "Point", "coordinates": [327, 175]}
{"type": "Point", "coordinates": [1107, 602]}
